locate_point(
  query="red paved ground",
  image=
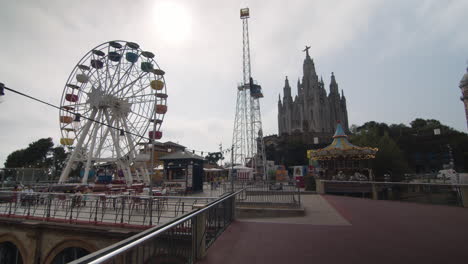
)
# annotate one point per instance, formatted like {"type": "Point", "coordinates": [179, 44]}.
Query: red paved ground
{"type": "Point", "coordinates": [381, 232]}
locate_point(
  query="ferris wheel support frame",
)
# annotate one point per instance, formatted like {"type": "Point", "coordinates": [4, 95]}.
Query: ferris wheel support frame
{"type": "Point", "coordinates": [91, 149]}
{"type": "Point", "coordinates": [120, 163]}
{"type": "Point", "coordinates": [66, 171]}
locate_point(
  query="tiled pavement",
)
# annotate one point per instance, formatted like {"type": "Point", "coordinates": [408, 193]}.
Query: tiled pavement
{"type": "Point", "coordinates": [349, 230]}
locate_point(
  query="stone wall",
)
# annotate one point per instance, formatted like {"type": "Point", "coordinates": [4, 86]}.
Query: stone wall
{"type": "Point", "coordinates": [40, 242]}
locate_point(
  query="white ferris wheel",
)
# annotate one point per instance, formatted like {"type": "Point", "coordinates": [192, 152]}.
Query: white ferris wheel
{"type": "Point", "coordinates": [114, 98]}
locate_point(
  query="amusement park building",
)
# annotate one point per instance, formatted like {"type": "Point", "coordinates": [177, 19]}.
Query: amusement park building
{"type": "Point", "coordinates": [312, 110]}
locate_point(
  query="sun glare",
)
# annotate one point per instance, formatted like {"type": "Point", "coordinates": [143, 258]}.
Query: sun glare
{"type": "Point", "coordinates": [173, 22]}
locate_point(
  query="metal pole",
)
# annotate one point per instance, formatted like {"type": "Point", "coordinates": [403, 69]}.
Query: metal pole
{"type": "Point", "coordinates": [232, 168]}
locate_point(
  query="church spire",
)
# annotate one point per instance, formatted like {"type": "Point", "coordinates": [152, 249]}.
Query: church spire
{"type": "Point", "coordinates": [308, 68]}
{"type": "Point", "coordinates": [334, 85]}
{"type": "Point", "coordinates": [286, 89]}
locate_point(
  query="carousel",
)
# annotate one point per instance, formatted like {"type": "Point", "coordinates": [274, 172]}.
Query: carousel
{"type": "Point", "coordinates": [342, 160]}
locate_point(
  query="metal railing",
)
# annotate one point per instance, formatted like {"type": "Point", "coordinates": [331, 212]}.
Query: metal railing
{"type": "Point", "coordinates": [120, 210]}
{"type": "Point", "coordinates": [267, 194]}
{"type": "Point", "coordinates": [180, 241]}
{"type": "Point", "coordinates": [13, 176]}
{"type": "Point", "coordinates": [432, 193]}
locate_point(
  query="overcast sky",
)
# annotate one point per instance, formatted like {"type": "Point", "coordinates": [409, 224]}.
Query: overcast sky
{"type": "Point", "coordinates": [395, 60]}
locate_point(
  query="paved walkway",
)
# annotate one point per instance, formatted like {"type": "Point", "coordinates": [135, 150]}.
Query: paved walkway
{"type": "Point", "coordinates": [341, 230]}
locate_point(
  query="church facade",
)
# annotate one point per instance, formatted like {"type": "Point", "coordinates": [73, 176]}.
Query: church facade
{"type": "Point", "coordinates": [312, 111]}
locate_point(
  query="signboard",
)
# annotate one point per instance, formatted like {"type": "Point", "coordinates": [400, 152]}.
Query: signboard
{"type": "Point", "coordinates": [316, 140]}
{"type": "Point", "coordinates": [189, 175]}
{"type": "Point", "coordinates": [175, 184]}
{"type": "Point", "coordinates": [299, 171]}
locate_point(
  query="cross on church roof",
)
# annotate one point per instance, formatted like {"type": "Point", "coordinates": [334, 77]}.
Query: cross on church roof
{"type": "Point", "coordinates": [307, 50]}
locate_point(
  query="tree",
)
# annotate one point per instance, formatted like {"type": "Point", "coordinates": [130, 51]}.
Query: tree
{"type": "Point", "coordinates": [389, 158]}
{"type": "Point", "coordinates": [56, 161]}
{"type": "Point", "coordinates": [34, 156]}
{"type": "Point", "coordinates": [381, 128]}
{"type": "Point", "coordinates": [15, 159]}
{"type": "Point", "coordinates": [353, 128]}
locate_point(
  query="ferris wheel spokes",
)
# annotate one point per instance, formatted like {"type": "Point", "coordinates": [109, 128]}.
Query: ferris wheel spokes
{"type": "Point", "coordinates": [103, 136]}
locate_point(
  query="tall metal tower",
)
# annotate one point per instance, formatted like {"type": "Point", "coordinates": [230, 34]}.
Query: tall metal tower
{"type": "Point", "coordinates": [247, 139]}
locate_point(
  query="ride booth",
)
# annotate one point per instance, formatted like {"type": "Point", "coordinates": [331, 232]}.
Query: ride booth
{"type": "Point", "coordinates": [241, 173]}
{"type": "Point", "coordinates": [183, 172]}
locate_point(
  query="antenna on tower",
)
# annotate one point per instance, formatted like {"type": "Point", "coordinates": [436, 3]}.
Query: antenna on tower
{"type": "Point", "coordinates": [247, 140]}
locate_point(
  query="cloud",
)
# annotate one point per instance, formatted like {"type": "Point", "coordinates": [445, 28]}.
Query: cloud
{"type": "Point", "coordinates": [395, 60]}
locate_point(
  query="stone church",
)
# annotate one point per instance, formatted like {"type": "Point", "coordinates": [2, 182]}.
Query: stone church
{"type": "Point", "coordinates": [311, 111]}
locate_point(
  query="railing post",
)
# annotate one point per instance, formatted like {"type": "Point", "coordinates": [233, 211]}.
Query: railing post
{"type": "Point", "coordinates": [199, 233]}
{"type": "Point", "coordinates": [151, 209]}
{"type": "Point", "coordinates": [320, 185]}
{"type": "Point", "coordinates": [49, 204]}
{"type": "Point", "coordinates": [233, 208]}
{"type": "Point", "coordinates": [28, 201]}
{"type": "Point", "coordinates": [97, 207]}
{"type": "Point", "coordinates": [464, 195]}
{"type": "Point", "coordinates": [299, 194]}
{"type": "Point", "coordinates": [375, 191]}
{"type": "Point", "coordinates": [71, 208]}
{"type": "Point", "coordinates": [11, 201]}
{"type": "Point", "coordinates": [123, 209]}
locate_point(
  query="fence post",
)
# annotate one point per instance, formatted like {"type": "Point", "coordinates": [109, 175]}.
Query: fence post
{"type": "Point", "coordinates": [199, 231]}
{"type": "Point", "coordinates": [11, 201]}
{"type": "Point", "coordinates": [299, 194]}
{"type": "Point", "coordinates": [151, 209]}
{"type": "Point", "coordinates": [95, 215]}
{"type": "Point", "coordinates": [233, 208]}
{"type": "Point", "coordinates": [28, 201]}
{"type": "Point", "coordinates": [49, 204]}
{"type": "Point", "coordinates": [123, 209]}
{"type": "Point", "coordinates": [71, 208]}
{"type": "Point", "coordinates": [375, 191]}
{"type": "Point", "coordinates": [464, 195]}
{"type": "Point", "coordinates": [320, 186]}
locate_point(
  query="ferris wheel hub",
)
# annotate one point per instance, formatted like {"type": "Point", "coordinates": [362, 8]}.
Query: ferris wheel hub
{"type": "Point", "coordinates": [99, 99]}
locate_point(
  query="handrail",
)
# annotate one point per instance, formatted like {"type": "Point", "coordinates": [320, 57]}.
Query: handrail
{"type": "Point", "coordinates": [113, 195]}
{"type": "Point", "coordinates": [115, 249]}
{"type": "Point", "coordinates": [396, 183]}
